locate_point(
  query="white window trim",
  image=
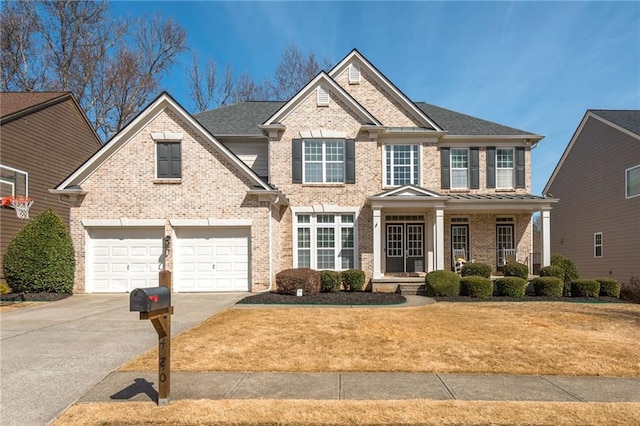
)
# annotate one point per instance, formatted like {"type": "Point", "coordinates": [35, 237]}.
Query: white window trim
{"type": "Point", "coordinates": [324, 161]}
{"type": "Point", "coordinates": [626, 182]}
{"type": "Point", "coordinates": [384, 164]}
{"type": "Point", "coordinates": [596, 245]}
{"type": "Point", "coordinates": [513, 168]}
{"type": "Point", "coordinates": [451, 169]}
{"type": "Point", "coordinates": [314, 211]}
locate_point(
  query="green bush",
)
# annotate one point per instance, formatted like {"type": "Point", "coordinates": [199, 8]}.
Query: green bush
{"type": "Point", "coordinates": [548, 286]}
{"type": "Point", "coordinates": [353, 279]}
{"type": "Point", "coordinates": [40, 258]}
{"type": "Point", "coordinates": [476, 269]}
{"type": "Point", "coordinates": [585, 288]}
{"type": "Point", "coordinates": [476, 286]}
{"type": "Point", "coordinates": [516, 270]}
{"type": "Point", "coordinates": [552, 271]}
{"type": "Point", "coordinates": [442, 283]}
{"type": "Point", "coordinates": [570, 271]}
{"type": "Point", "coordinates": [330, 281]}
{"type": "Point", "coordinates": [609, 287]}
{"type": "Point", "coordinates": [290, 280]}
{"type": "Point", "coordinates": [511, 286]}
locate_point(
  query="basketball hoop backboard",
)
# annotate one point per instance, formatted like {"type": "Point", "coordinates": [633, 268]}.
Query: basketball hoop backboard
{"type": "Point", "coordinates": [14, 190]}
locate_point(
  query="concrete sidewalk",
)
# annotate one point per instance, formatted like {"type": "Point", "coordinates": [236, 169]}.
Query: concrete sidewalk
{"type": "Point", "coordinates": [141, 386]}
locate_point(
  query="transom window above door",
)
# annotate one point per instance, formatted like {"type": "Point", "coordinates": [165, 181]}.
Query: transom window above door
{"type": "Point", "coordinates": [323, 160]}
{"type": "Point", "coordinates": [402, 165]}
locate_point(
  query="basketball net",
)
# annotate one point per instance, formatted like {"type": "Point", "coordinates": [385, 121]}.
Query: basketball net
{"type": "Point", "coordinates": [21, 204]}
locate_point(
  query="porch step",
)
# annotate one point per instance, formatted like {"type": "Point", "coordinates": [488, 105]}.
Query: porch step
{"type": "Point", "coordinates": [412, 289]}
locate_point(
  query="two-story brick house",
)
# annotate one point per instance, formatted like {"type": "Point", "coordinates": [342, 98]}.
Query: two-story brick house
{"type": "Point", "coordinates": [349, 173]}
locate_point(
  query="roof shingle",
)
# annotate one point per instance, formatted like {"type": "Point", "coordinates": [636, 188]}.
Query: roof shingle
{"type": "Point", "coordinates": [628, 119]}
{"type": "Point", "coordinates": [12, 102]}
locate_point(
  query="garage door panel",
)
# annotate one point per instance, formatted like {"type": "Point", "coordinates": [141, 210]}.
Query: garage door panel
{"type": "Point", "coordinates": [121, 259]}
{"type": "Point", "coordinates": [212, 259]}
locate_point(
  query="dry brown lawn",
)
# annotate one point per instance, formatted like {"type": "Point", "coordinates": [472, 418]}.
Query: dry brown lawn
{"type": "Point", "coordinates": [552, 338]}
{"type": "Point", "coordinates": [407, 412]}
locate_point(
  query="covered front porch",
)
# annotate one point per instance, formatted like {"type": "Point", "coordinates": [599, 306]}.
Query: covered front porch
{"type": "Point", "coordinates": [416, 231]}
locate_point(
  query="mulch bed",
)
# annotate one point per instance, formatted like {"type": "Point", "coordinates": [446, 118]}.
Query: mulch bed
{"type": "Point", "coordinates": [342, 298]}
{"type": "Point", "coordinates": [532, 298]}
{"type": "Point", "coordinates": [32, 297]}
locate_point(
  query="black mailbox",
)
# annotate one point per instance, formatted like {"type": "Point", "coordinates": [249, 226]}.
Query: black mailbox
{"type": "Point", "coordinates": [149, 299]}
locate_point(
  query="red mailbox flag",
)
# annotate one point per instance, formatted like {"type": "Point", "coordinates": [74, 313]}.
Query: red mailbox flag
{"type": "Point", "coordinates": [154, 298]}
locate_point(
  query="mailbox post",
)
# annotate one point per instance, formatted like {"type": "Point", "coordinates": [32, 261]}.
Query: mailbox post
{"type": "Point", "coordinates": [154, 303]}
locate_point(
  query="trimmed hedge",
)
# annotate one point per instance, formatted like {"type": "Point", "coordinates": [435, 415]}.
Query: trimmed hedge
{"type": "Point", "coordinates": [552, 271]}
{"type": "Point", "coordinates": [609, 287]}
{"type": "Point", "coordinates": [475, 286]}
{"type": "Point", "coordinates": [548, 286]}
{"type": "Point", "coordinates": [442, 283]}
{"type": "Point", "coordinates": [511, 286]}
{"type": "Point", "coordinates": [330, 281]}
{"type": "Point", "coordinates": [570, 271]}
{"type": "Point", "coordinates": [290, 280]}
{"type": "Point", "coordinates": [40, 258]}
{"type": "Point", "coordinates": [516, 270]}
{"type": "Point", "coordinates": [353, 279]}
{"type": "Point", "coordinates": [476, 269]}
{"type": "Point", "coordinates": [585, 288]}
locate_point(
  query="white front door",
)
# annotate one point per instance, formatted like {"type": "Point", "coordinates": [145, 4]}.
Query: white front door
{"type": "Point", "coordinates": [211, 259]}
{"type": "Point", "coordinates": [122, 259]}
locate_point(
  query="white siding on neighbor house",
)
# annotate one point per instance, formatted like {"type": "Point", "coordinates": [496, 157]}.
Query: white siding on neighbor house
{"type": "Point", "coordinates": [122, 259]}
{"type": "Point", "coordinates": [253, 153]}
{"type": "Point", "coordinates": [211, 259]}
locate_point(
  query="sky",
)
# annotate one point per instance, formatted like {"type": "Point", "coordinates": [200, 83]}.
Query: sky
{"type": "Point", "coordinates": [536, 66]}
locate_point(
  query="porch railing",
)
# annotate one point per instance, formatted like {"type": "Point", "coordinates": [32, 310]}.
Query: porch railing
{"type": "Point", "coordinates": [504, 255]}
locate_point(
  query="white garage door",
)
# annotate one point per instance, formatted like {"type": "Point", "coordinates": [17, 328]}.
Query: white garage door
{"type": "Point", "coordinates": [211, 259]}
{"type": "Point", "coordinates": [122, 259]}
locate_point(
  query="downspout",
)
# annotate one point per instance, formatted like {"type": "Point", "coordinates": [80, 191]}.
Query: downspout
{"type": "Point", "coordinates": [270, 249]}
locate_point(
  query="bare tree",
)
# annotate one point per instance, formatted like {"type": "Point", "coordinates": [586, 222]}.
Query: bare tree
{"type": "Point", "coordinates": [294, 71]}
{"type": "Point", "coordinates": [112, 67]}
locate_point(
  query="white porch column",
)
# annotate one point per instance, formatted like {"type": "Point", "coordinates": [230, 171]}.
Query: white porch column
{"type": "Point", "coordinates": [377, 243]}
{"type": "Point", "coordinates": [438, 239]}
{"type": "Point", "coordinates": [545, 215]}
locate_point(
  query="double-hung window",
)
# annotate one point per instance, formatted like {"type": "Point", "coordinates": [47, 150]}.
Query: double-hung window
{"type": "Point", "coordinates": [459, 168]}
{"type": "Point", "coordinates": [597, 244]}
{"type": "Point", "coordinates": [504, 168]}
{"type": "Point", "coordinates": [402, 165]}
{"type": "Point", "coordinates": [632, 182]}
{"type": "Point", "coordinates": [325, 241]}
{"type": "Point", "coordinates": [323, 160]}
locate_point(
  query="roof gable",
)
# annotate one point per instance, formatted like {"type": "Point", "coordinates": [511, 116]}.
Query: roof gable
{"type": "Point", "coordinates": [322, 79]}
{"type": "Point", "coordinates": [623, 121]}
{"type": "Point", "coordinates": [357, 59]}
{"type": "Point", "coordinates": [161, 103]}
{"type": "Point", "coordinates": [408, 191]}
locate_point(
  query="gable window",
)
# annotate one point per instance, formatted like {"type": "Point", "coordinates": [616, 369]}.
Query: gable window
{"type": "Point", "coordinates": [323, 161]}
{"type": "Point", "coordinates": [354, 74]}
{"type": "Point", "coordinates": [504, 168]}
{"type": "Point", "coordinates": [459, 168]}
{"type": "Point", "coordinates": [632, 181]}
{"type": "Point", "coordinates": [324, 241]}
{"type": "Point", "coordinates": [322, 96]}
{"type": "Point", "coordinates": [402, 165]}
{"type": "Point", "coordinates": [168, 160]}
{"type": "Point", "coordinates": [597, 244]}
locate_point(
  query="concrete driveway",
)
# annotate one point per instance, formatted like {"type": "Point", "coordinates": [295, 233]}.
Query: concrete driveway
{"type": "Point", "coordinates": [53, 354]}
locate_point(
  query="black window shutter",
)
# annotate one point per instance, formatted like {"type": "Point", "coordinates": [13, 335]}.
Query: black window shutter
{"type": "Point", "coordinates": [491, 167]}
{"type": "Point", "coordinates": [296, 156]}
{"type": "Point", "coordinates": [474, 163]}
{"type": "Point", "coordinates": [162, 169]}
{"type": "Point", "coordinates": [175, 160]}
{"type": "Point", "coordinates": [520, 175]}
{"type": "Point", "coordinates": [444, 168]}
{"type": "Point", "coordinates": [350, 161]}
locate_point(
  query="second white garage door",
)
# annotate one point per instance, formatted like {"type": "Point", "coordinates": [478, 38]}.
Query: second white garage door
{"type": "Point", "coordinates": [211, 259]}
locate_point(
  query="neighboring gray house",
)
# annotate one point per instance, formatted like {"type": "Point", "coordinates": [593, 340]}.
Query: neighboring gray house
{"type": "Point", "coordinates": [596, 223]}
